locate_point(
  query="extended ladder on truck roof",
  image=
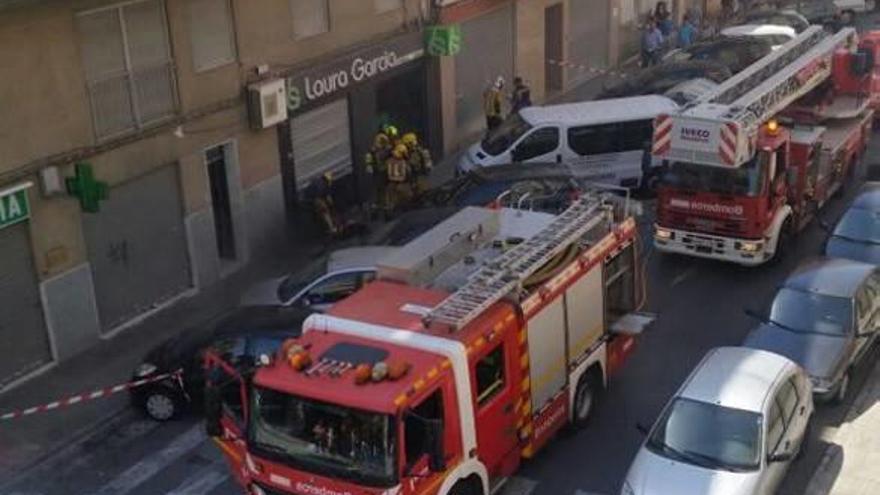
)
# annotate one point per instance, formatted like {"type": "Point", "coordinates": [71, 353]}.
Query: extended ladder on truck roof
{"type": "Point", "coordinates": [501, 276]}
{"type": "Point", "coordinates": [772, 83]}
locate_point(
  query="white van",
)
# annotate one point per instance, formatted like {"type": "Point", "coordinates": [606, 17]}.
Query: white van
{"type": "Point", "coordinates": [610, 137]}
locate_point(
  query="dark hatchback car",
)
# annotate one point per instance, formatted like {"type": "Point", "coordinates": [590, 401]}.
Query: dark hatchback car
{"type": "Point", "coordinates": [825, 317]}
{"type": "Point", "coordinates": [661, 78]}
{"type": "Point", "coordinates": [734, 53]}
{"type": "Point", "coordinates": [857, 234]}
{"type": "Point", "coordinates": [239, 336]}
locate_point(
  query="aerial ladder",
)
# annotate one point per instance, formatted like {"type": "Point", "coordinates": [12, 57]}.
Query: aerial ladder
{"type": "Point", "coordinates": [506, 274]}
{"type": "Point", "coordinates": [733, 112]}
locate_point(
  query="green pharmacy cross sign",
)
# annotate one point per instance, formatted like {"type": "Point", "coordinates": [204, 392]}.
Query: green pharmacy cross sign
{"type": "Point", "coordinates": [84, 186]}
{"type": "Point", "coordinates": [14, 206]}
{"type": "Point", "coordinates": [443, 41]}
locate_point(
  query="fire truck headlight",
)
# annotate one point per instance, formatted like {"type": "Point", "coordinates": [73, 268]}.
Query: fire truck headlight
{"type": "Point", "coordinates": [750, 247]}
{"type": "Point", "coordinates": [663, 234]}
{"type": "Point", "coordinates": [145, 369]}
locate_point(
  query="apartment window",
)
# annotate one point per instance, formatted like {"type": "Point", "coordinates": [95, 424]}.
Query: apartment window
{"type": "Point", "coordinates": [212, 32]}
{"type": "Point", "coordinates": [310, 17]}
{"type": "Point", "coordinates": [127, 61]}
{"type": "Point", "coordinates": [388, 5]}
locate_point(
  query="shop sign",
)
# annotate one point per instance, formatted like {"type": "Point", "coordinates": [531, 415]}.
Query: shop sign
{"type": "Point", "coordinates": [344, 73]}
{"type": "Point", "coordinates": [443, 41]}
{"type": "Point", "coordinates": [14, 206]}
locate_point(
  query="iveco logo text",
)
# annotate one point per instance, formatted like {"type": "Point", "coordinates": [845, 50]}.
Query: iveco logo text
{"type": "Point", "coordinates": [706, 207]}
{"type": "Point", "coordinates": [694, 134]}
{"type": "Point", "coordinates": [317, 490]}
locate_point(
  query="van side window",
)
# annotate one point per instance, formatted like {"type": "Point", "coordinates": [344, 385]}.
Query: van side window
{"type": "Point", "coordinates": [540, 142]}
{"type": "Point", "coordinates": [610, 138]}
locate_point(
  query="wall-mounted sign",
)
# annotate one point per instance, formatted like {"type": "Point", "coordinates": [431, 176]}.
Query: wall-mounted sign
{"type": "Point", "coordinates": [343, 73]}
{"type": "Point", "coordinates": [14, 206]}
{"type": "Point", "coordinates": [84, 186]}
{"type": "Point", "coordinates": [443, 41]}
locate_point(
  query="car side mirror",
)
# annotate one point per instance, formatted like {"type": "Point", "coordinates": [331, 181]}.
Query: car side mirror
{"type": "Point", "coordinates": [213, 411]}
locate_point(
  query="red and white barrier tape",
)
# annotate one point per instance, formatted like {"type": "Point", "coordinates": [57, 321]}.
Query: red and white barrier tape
{"type": "Point", "coordinates": [97, 394]}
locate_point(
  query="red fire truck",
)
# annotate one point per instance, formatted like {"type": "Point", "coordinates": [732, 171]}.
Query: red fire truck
{"type": "Point", "coordinates": [478, 342]}
{"type": "Point", "coordinates": [751, 161]}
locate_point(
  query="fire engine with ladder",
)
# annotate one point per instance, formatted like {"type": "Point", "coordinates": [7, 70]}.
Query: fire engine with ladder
{"type": "Point", "coordinates": [750, 163]}
{"type": "Point", "coordinates": [477, 342]}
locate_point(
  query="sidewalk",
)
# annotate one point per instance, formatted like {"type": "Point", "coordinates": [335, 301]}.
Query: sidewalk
{"type": "Point", "coordinates": [851, 464]}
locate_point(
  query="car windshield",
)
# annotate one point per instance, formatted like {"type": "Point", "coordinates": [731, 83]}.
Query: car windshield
{"type": "Point", "coordinates": [809, 312]}
{"type": "Point", "coordinates": [708, 435]}
{"type": "Point", "coordinates": [323, 438]}
{"type": "Point", "coordinates": [502, 138]}
{"type": "Point", "coordinates": [859, 225]}
{"type": "Point", "coordinates": [745, 180]}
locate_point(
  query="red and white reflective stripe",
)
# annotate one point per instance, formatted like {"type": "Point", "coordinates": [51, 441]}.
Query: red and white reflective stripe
{"type": "Point", "coordinates": [727, 143]}
{"type": "Point", "coordinates": [97, 394]}
{"type": "Point", "coordinates": [662, 135]}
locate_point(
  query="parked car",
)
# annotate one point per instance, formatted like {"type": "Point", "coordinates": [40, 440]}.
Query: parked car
{"type": "Point", "coordinates": [814, 11]}
{"type": "Point", "coordinates": [661, 78]}
{"type": "Point", "coordinates": [857, 234]}
{"type": "Point", "coordinates": [734, 52]}
{"type": "Point", "coordinates": [774, 34]}
{"type": "Point", "coordinates": [825, 317]}
{"type": "Point", "coordinates": [346, 271]}
{"type": "Point", "coordinates": [733, 427]}
{"type": "Point", "coordinates": [606, 139]}
{"type": "Point", "coordinates": [241, 335]}
{"type": "Point", "coordinates": [784, 17]}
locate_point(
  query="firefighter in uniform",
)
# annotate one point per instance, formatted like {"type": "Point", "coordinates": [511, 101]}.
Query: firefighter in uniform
{"type": "Point", "coordinates": [398, 188]}
{"type": "Point", "coordinates": [420, 163]}
{"type": "Point", "coordinates": [321, 192]}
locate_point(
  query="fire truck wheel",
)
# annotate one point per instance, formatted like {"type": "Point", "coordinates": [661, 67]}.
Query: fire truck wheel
{"type": "Point", "coordinates": [161, 405]}
{"type": "Point", "coordinates": [470, 486]}
{"type": "Point", "coordinates": [585, 398]}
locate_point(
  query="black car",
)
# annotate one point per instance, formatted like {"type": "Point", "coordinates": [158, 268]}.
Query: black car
{"type": "Point", "coordinates": [661, 78]}
{"type": "Point", "coordinates": [733, 52]}
{"type": "Point", "coordinates": [239, 336]}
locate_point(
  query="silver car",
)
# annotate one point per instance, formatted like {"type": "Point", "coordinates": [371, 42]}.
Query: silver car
{"type": "Point", "coordinates": [346, 271]}
{"type": "Point", "coordinates": [733, 428]}
{"type": "Point", "coordinates": [825, 317]}
{"type": "Point", "coordinates": [857, 234]}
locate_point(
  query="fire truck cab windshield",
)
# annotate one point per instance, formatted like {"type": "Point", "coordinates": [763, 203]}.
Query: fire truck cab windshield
{"type": "Point", "coordinates": [748, 179]}
{"type": "Point", "coordinates": [326, 439]}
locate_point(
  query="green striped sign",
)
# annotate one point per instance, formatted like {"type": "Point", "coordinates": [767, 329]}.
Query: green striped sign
{"type": "Point", "coordinates": [14, 206]}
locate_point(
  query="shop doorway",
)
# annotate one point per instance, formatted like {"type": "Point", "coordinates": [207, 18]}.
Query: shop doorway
{"type": "Point", "coordinates": [401, 101]}
{"type": "Point", "coordinates": [553, 48]}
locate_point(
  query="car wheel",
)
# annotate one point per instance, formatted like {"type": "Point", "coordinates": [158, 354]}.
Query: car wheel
{"type": "Point", "coordinates": [842, 389]}
{"type": "Point", "coordinates": [161, 405]}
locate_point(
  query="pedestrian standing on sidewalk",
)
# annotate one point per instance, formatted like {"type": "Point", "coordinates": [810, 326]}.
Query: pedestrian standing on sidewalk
{"type": "Point", "coordinates": [652, 43]}
{"type": "Point", "coordinates": [663, 19]}
{"type": "Point", "coordinates": [688, 32]}
{"type": "Point", "coordinates": [521, 97]}
{"type": "Point", "coordinates": [492, 99]}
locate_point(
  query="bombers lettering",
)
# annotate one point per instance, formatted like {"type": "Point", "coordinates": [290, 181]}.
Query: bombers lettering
{"type": "Point", "coordinates": [736, 210]}
{"type": "Point", "coordinates": [309, 489]}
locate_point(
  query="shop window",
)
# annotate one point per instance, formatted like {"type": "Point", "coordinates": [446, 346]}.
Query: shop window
{"type": "Point", "coordinates": [417, 427]}
{"type": "Point", "coordinates": [383, 6]}
{"type": "Point", "coordinates": [128, 66]}
{"type": "Point", "coordinates": [620, 285]}
{"type": "Point", "coordinates": [310, 17]}
{"type": "Point", "coordinates": [540, 142]}
{"type": "Point", "coordinates": [490, 375]}
{"type": "Point", "coordinates": [212, 33]}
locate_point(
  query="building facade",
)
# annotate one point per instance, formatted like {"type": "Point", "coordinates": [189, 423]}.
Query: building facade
{"type": "Point", "coordinates": [133, 172]}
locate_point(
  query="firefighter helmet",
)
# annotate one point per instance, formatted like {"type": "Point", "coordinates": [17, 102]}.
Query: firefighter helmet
{"type": "Point", "coordinates": [390, 131]}
{"type": "Point", "coordinates": [399, 151]}
{"type": "Point", "coordinates": [410, 139]}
